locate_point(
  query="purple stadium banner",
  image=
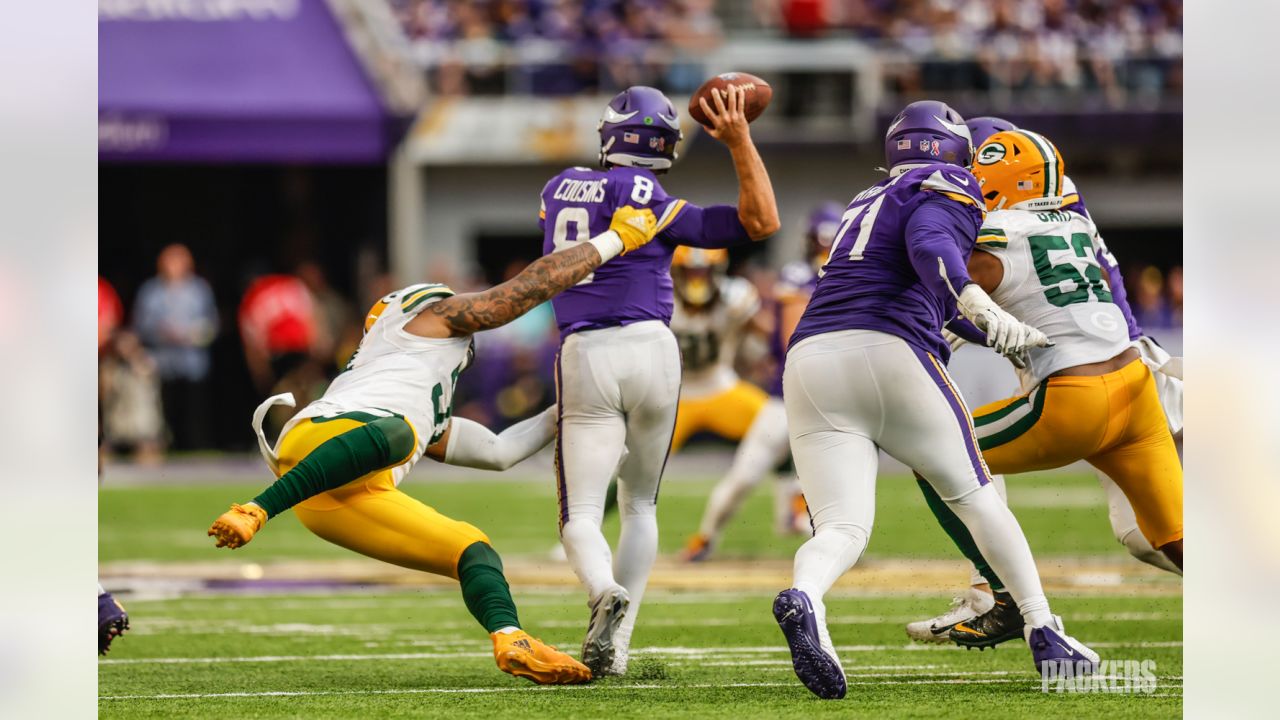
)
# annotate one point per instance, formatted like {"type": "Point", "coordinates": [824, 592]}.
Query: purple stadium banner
{"type": "Point", "coordinates": [232, 81]}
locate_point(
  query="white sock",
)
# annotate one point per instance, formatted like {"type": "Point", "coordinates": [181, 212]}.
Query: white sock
{"type": "Point", "coordinates": [508, 630]}
{"type": "Point", "coordinates": [588, 554]}
{"type": "Point", "coordinates": [975, 577]}
{"type": "Point", "coordinates": [1000, 539]}
{"type": "Point", "coordinates": [763, 447]}
{"type": "Point", "coordinates": [1138, 547]}
{"type": "Point", "coordinates": [826, 556]}
{"type": "Point", "coordinates": [637, 549]}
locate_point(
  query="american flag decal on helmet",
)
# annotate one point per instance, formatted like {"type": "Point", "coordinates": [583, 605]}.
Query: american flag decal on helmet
{"type": "Point", "coordinates": [633, 138]}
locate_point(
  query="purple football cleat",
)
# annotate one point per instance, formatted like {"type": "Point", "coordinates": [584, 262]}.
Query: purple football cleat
{"type": "Point", "coordinates": [812, 655]}
{"type": "Point", "coordinates": [112, 621]}
{"type": "Point", "coordinates": [1051, 645]}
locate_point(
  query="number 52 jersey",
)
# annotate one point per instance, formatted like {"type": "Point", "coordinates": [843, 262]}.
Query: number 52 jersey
{"type": "Point", "coordinates": [1053, 281]}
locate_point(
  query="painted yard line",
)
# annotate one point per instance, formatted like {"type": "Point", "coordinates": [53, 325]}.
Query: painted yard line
{"type": "Point", "coordinates": [556, 688]}
{"type": "Point", "coordinates": [676, 651]}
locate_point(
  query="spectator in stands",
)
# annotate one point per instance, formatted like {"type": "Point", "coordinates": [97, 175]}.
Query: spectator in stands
{"type": "Point", "coordinates": [110, 312]}
{"type": "Point", "coordinates": [1151, 310]}
{"type": "Point", "coordinates": [176, 320]}
{"type": "Point", "coordinates": [286, 340]}
{"type": "Point", "coordinates": [341, 325]}
{"type": "Point", "coordinates": [129, 386]}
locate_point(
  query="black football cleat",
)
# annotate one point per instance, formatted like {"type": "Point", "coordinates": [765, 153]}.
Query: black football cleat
{"type": "Point", "coordinates": [999, 624]}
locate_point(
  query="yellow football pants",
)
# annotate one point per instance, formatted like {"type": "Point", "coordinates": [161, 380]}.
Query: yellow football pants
{"type": "Point", "coordinates": [1113, 421]}
{"type": "Point", "coordinates": [728, 414]}
{"type": "Point", "coordinates": [371, 516]}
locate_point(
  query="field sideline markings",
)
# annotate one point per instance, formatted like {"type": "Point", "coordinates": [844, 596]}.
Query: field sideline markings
{"type": "Point", "coordinates": [1029, 681]}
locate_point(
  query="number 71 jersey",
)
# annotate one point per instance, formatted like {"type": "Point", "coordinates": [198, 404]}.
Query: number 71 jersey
{"type": "Point", "coordinates": [1052, 281]}
{"type": "Point", "coordinates": [577, 205]}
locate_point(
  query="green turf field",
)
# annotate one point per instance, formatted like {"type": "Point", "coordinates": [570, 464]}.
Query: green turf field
{"type": "Point", "coordinates": [415, 652]}
{"type": "Point", "coordinates": [1062, 514]}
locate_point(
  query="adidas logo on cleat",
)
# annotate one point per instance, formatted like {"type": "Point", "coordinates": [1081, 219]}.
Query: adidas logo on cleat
{"type": "Point", "coordinates": [523, 643]}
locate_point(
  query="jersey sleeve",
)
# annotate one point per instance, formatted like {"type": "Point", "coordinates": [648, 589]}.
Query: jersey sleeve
{"type": "Point", "coordinates": [715, 226]}
{"type": "Point", "coordinates": [542, 205]}
{"type": "Point", "coordinates": [938, 237]}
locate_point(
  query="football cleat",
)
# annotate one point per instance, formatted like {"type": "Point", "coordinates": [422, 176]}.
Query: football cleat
{"type": "Point", "coordinates": [1051, 645]}
{"type": "Point", "coordinates": [520, 654]}
{"type": "Point", "coordinates": [973, 603]}
{"type": "Point", "coordinates": [607, 612]}
{"type": "Point", "coordinates": [697, 549]}
{"type": "Point", "coordinates": [812, 655]}
{"type": "Point", "coordinates": [1003, 622]}
{"type": "Point", "coordinates": [237, 526]}
{"type": "Point", "coordinates": [112, 621]}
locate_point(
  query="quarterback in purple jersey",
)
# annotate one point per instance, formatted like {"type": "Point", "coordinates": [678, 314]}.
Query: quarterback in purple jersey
{"type": "Point", "coordinates": [865, 371]}
{"type": "Point", "coordinates": [618, 369]}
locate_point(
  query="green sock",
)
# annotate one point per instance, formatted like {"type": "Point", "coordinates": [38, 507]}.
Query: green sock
{"type": "Point", "coordinates": [485, 589]}
{"type": "Point", "coordinates": [339, 460]}
{"type": "Point", "coordinates": [959, 534]}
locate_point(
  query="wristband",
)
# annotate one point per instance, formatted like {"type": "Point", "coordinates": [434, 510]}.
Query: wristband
{"type": "Point", "coordinates": [608, 244]}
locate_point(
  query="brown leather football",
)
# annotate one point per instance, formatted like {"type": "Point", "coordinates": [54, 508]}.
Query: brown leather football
{"type": "Point", "coordinates": [758, 94]}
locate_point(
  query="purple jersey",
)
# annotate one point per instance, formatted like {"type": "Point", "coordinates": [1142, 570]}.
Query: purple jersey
{"type": "Point", "coordinates": [882, 273]}
{"type": "Point", "coordinates": [578, 204]}
{"type": "Point", "coordinates": [1072, 201]}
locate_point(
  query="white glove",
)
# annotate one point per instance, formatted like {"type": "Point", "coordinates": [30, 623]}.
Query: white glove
{"type": "Point", "coordinates": [1005, 334]}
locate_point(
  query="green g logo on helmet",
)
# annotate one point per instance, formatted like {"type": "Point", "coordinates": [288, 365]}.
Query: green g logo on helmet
{"type": "Point", "coordinates": [991, 153]}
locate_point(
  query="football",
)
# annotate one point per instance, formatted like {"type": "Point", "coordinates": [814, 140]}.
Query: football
{"type": "Point", "coordinates": [758, 94]}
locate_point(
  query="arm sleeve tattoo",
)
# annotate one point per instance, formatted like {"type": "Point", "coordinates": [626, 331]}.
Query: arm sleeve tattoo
{"type": "Point", "coordinates": [545, 278]}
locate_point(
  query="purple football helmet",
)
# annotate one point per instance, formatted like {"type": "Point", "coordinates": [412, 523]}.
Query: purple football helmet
{"type": "Point", "coordinates": [928, 131]}
{"type": "Point", "coordinates": [824, 222]}
{"type": "Point", "coordinates": [981, 128]}
{"type": "Point", "coordinates": [640, 128]}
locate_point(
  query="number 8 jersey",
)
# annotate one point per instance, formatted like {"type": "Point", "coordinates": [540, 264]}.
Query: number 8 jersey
{"type": "Point", "coordinates": [1053, 281]}
{"type": "Point", "coordinates": [579, 203]}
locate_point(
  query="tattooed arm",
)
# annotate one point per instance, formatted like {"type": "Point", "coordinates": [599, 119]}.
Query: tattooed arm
{"type": "Point", "coordinates": [545, 278]}
{"type": "Point", "coordinates": [542, 280]}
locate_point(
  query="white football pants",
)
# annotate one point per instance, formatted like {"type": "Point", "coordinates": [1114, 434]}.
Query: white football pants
{"type": "Point", "coordinates": [617, 390]}
{"type": "Point", "coordinates": [850, 392]}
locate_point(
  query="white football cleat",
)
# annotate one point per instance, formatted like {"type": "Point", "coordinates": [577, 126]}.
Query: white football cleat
{"type": "Point", "coordinates": [971, 604]}
{"type": "Point", "coordinates": [607, 612]}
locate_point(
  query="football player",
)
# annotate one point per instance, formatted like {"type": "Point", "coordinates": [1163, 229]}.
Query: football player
{"type": "Point", "coordinates": [981, 597]}
{"type": "Point", "coordinates": [865, 371]}
{"type": "Point", "coordinates": [1089, 396]}
{"type": "Point", "coordinates": [340, 459]}
{"type": "Point", "coordinates": [113, 621]}
{"type": "Point", "coordinates": [618, 369]}
{"type": "Point", "coordinates": [713, 314]}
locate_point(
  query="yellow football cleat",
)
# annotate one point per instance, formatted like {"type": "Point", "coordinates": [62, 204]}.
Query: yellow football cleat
{"type": "Point", "coordinates": [696, 549]}
{"type": "Point", "coordinates": [237, 526]}
{"type": "Point", "coordinates": [523, 655]}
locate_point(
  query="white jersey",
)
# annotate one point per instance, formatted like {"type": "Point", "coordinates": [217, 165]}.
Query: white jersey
{"type": "Point", "coordinates": [709, 337]}
{"type": "Point", "coordinates": [1052, 281]}
{"type": "Point", "coordinates": [396, 373]}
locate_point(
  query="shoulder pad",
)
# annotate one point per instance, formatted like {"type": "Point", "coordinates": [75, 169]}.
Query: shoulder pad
{"type": "Point", "coordinates": [953, 182]}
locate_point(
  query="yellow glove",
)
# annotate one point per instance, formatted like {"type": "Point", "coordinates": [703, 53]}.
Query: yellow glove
{"type": "Point", "coordinates": [238, 525]}
{"type": "Point", "coordinates": [636, 227]}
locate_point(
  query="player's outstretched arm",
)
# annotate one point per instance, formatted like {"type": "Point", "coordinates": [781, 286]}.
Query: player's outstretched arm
{"type": "Point", "coordinates": [542, 280]}
{"type": "Point", "coordinates": [757, 208]}
{"type": "Point", "coordinates": [469, 444]}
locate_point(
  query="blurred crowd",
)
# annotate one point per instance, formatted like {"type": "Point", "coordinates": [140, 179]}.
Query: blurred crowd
{"type": "Point", "coordinates": [156, 369]}
{"type": "Point", "coordinates": [1122, 49]}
